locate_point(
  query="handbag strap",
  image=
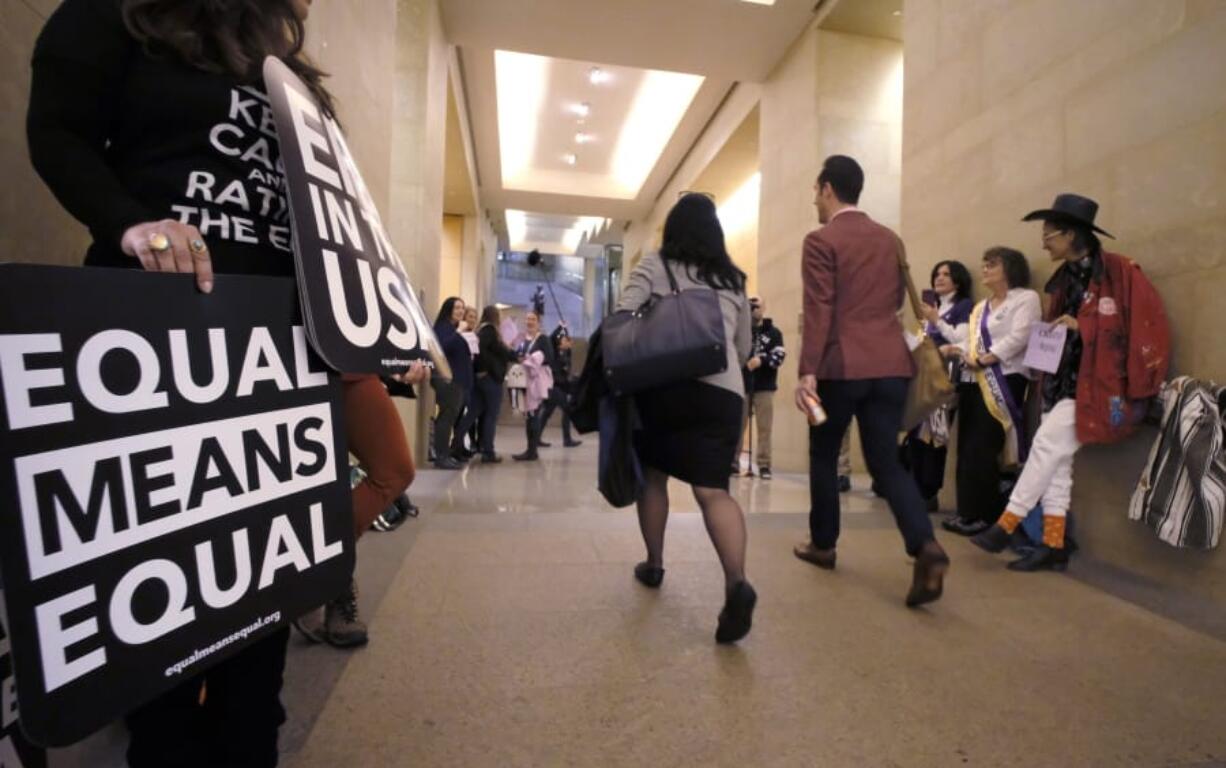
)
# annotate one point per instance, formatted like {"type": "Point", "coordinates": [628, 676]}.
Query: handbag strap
{"type": "Point", "coordinates": [906, 276]}
{"type": "Point", "coordinates": [672, 281]}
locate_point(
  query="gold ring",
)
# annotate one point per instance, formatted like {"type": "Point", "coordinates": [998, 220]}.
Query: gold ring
{"type": "Point", "coordinates": [159, 242]}
{"type": "Point", "coordinates": [197, 245]}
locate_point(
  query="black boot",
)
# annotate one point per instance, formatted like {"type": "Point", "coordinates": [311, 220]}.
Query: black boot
{"type": "Point", "coordinates": [737, 617]}
{"type": "Point", "coordinates": [649, 575]}
{"type": "Point", "coordinates": [1042, 558]}
{"type": "Point", "coordinates": [993, 540]}
{"type": "Point", "coordinates": [928, 577]}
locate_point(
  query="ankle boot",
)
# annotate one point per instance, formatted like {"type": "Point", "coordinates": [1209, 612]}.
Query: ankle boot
{"type": "Point", "coordinates": [649, 575]}
{"type": "Point", "coordinates": [736, 619]}
{"type": "Point", "coordinates": [993, 540]}
{"type": "Point", "coordinates": [342, 626]}
{"type": "Point", "coordinates": [928, 575]}
{"type": "Point", "coordinates": [1041, 558]}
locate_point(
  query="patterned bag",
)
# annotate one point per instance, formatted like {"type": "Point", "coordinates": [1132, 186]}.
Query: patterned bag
{"type": "Point", "coordinates": [1182, 491]}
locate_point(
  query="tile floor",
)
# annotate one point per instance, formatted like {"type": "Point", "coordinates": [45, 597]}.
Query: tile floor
{"type": "Point", "coordinates": [507, 631]}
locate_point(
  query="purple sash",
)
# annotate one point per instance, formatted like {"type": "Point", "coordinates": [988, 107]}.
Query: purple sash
{"type": "Point", "coordinates": [1000, 389]}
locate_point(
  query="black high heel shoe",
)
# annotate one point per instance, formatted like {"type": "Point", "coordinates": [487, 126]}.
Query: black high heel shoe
{"type": "Point", "coordinates": [736, 619]}
{"type": "Point", "coordinates": [649, 575]}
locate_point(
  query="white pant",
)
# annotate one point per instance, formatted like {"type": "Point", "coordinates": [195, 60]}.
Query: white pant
{"type": "Point", "coordinates": [1048, 474]}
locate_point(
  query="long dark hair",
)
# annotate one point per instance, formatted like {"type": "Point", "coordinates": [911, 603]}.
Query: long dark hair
{"type": "Point", "coordinates": [959, 274]}
{"type": "Point", "coordinates": [694, 237]}
{"type": "Point", "coordinates": [490, 315]}
{"type": "Point", "coordinates": [229, 37]}
{"type": "Point", "coordinates": [444, 312]}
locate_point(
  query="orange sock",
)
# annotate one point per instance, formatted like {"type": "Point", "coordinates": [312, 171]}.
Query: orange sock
{"type": "Point", "coordinates": [1053, 531]}
{"type": "Point", "coordinates": [1009, 521]}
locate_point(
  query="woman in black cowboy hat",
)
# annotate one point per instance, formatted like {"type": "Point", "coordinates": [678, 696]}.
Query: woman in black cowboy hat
{"type": "Point", "coordinates": [1114, 360]}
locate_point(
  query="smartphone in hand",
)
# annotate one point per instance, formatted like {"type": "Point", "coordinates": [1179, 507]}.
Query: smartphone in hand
{"type": "Point", "coordinates": [929, 297]}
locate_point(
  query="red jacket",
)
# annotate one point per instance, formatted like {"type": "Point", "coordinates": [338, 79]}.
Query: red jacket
{"type": "Point", "coordinates": [852, 291]}
{"type": "Point", "coordinates": [1126, 348]}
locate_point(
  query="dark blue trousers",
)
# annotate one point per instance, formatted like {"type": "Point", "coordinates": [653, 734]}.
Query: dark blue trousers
{"type": "Point", "coordinates": [485, 404]}
{"type": "Point", "coordinates": [877, 405]}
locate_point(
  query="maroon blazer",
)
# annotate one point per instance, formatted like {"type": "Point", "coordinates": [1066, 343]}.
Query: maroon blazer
{"type": "Point", "coordinates": [853, 291]}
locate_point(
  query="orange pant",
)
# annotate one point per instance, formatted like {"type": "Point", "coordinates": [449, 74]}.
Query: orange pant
{"type": "Point", "coordinates": [376, 437]}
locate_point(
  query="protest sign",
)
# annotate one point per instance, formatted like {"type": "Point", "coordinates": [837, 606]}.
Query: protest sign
{"type": "Point", "coordinates": [172, 482]}
{"type": "Point", "coordinates": [361, 311]}
{"type": "Point", "coordinates": [1045, 347]}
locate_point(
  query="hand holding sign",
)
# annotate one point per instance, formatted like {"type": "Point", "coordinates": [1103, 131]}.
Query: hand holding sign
{"type": "Point", "coordinates": [170, 246]}
{"type": "Point", "coordinates": [361, 311]}
{"type": "Point", "coordinates": [1046, 347]}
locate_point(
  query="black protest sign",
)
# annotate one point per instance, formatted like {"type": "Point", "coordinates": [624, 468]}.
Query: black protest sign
{"type": "Point", "coordinates": [15, 751]}
{"type": "Point", "coordinates": [361, 311]}
{"type": "Point", "coordinates": [173, 482]}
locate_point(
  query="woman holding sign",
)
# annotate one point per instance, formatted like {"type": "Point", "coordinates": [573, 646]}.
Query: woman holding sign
{"type": "Point", "coordinates": [149, 122]}
{"type": "Point", "coordinates": [991, 430]}
{"type": "Point", "coordinates": [1113, 362]}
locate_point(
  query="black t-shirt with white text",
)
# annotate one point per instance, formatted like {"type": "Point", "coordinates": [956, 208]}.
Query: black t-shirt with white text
{"type": "Point", "coordinates": [123, 137]}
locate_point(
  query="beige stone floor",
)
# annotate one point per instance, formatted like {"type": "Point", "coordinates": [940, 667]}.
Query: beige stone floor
{"type": "Point", "coordinates": [512, 634]}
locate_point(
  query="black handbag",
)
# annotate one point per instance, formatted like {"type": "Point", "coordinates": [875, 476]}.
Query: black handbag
{"type": "Point", "coordinates": [670, 338]}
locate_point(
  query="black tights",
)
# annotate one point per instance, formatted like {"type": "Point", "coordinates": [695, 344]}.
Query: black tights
{"type": "Point", "coordinates": [720, 512]}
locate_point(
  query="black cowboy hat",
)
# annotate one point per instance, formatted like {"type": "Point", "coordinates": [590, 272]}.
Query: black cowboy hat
{"type": "Point", "coordinates": [1070, 208]}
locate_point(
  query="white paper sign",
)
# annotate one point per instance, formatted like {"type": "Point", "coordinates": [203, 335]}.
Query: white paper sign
{"type": "Point", "coordinates": [1046, 347]}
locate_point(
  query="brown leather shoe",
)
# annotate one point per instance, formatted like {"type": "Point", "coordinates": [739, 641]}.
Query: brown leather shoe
{"type": "Point", "coordinates": [928, 576]}
{"type": "Point", "coordinates": [822, 558]}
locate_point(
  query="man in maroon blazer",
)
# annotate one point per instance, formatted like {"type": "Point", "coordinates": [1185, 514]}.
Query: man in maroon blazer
{"type": "Point", "coordinates": [855, 362]}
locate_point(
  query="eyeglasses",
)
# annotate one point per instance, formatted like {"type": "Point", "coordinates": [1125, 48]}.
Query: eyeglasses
{"type": "Point", "coordinates": [1049, 235]}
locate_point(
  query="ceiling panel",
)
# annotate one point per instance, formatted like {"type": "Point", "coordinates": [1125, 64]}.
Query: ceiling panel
{"type": "Point", "coordinates": [619, 173]}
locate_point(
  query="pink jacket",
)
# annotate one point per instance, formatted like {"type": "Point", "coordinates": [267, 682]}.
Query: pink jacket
{"type": "Point", "coordinates": [540, 380]}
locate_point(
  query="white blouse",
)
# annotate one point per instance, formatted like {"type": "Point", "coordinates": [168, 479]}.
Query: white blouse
{"type": "Point", "coordinates": [1009, 326]}
{"type": "Point", "coordinates": [955, 334]}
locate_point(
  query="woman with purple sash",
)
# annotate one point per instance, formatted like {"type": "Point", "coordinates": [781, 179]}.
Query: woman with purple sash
{"type": "Point", "coordinates": [947, 308]}
{"type": "Point", "coordinates": [991, 432]}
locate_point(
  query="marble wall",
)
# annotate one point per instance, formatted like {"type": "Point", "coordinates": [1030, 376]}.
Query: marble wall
{"type": "Point", "coordinates": [33, 226]}
{"type": "Point", "coordinates": [833, 93]}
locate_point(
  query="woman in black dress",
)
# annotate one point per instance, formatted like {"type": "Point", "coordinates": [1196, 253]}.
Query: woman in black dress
{"type": "Point", "coordinates": [690, 429]}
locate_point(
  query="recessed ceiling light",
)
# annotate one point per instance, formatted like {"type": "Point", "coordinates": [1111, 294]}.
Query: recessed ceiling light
{"type": "Point", "coordinates": [570, 158]}
{"type": "Point", "coordinates": [656, 106]}
{"type": "Point", "coordinates": [582, 138]}
{"type": "Point", "coordinates": [898, 13]}
{"type": "Point", "coordinates": [597, 76]}
{"type": "Point", "coordinates": [760, 2]}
